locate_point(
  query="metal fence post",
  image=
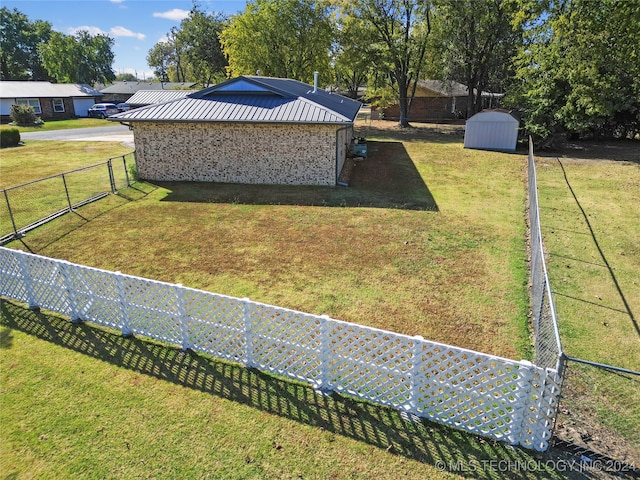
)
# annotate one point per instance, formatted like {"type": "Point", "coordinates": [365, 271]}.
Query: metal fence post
{"type": "Point", "coordinates": [15, 230]}
{"type": "Point", "coordinates": [126, 173]}
{"type": "Point", "coordinates": [112, 179]}
{"type": "Point", "coordinates": [66, 191]}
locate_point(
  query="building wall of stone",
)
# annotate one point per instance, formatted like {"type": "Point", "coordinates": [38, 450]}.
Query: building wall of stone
{"type": "Point", "coordinates": [236, 152]}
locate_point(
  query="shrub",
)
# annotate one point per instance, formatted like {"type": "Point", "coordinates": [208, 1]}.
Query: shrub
{"type": "Point", "coordinates": [9, 137]}
{"type": "Point", "coordinates": [24, 115]}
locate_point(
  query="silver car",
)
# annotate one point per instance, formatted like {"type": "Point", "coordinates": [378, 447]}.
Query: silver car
{"type": "Point", "coordinates": [102, 110]}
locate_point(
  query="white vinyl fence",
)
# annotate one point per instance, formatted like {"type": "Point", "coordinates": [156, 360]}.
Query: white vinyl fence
{"type": "Point", "coordinates": [490, 396]}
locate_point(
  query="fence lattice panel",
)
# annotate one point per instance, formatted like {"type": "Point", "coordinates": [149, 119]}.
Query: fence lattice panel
{"type": "Point", "coordinates": [496, 397]}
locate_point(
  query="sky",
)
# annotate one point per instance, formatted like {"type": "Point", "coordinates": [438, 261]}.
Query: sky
{"type": "Point", "coordinates": [135, 25]}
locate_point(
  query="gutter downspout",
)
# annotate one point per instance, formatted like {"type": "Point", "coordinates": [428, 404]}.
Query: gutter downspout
{"type": "Point", "coordinates": [342, 184]}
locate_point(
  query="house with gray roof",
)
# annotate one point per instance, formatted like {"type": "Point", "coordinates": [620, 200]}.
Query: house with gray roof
{"type": "Point", "coordinates": [119, 92]}
{"type": "Point", "coordinates": [250, 129]}
{"type": "Point", "coordinates": [49, 100]}
{"type": "Point", "coordinates": [142, 98]}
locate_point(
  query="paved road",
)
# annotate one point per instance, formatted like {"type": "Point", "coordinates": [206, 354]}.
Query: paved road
{"type": "Point", "coordinates": [113, 133]}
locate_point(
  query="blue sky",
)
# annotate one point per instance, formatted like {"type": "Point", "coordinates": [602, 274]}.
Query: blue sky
{"type": "Point", "coordinates": [135, 25]}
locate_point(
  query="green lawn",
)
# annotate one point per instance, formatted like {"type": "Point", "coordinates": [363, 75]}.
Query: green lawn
{"type": "Point", "coordinates": [61, 125]}
{"type": "Point", "coordinates": [594, 260]}
{"type": "Point", "coordinates": [429, 239]}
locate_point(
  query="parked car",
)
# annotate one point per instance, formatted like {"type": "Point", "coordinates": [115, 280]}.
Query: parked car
{"type": "Point", "coordinates": [102, 110]}
{"type": "Point", "coordinates": [123, 107]}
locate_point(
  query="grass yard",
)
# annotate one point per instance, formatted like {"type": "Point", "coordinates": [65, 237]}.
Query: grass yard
{"type": "Point", "coordinates": [39, 159]}
{"type": "Point", "coordinates": [61, 125]}
{"type": "Point", "coordinates": [428, 240]}
{"type": "Point", "coordinates": [593, 249]}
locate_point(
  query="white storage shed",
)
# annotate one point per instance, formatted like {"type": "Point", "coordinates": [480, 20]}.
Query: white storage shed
{"type": "Point", "coordinates": [492, 130]}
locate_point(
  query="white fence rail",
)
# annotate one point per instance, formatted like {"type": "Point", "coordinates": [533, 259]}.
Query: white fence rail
{"type": "Point", "coordinates": [491, 396]}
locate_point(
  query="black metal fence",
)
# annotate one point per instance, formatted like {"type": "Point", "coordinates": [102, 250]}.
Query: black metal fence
{"type": "Point", "coordinates": [29, 205]}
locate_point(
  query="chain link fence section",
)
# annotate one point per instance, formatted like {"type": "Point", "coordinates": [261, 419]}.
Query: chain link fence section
{"type": "Point", "coordinates": [29, 205]}
{"type": "Point", "coordinates": [599, 414]}
{"type": "Point", "coordinates": [543, 313]}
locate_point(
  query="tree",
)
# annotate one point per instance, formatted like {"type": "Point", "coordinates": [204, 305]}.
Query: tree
{"type": "Point", "coordinates": [280, 38]}
{"type": "Point", "coordinates": [473, 43]}
{"type": "Point", "coordinates": [19, 40]}
{"type": "Point", "coordinates": [191, 51]}
{"type": "Point", "coordinates": [81, 58]}
{"type": "Point", "coordinates": [159, 59]}
{"type": "Point", "coordinates": [126, 77]}
{"type": "Point", "coordinates": [356, 54]}
{"type": "Point", "coordinates": [401, 28]}
{"type": "Point", "coordinates": [580, 74]}
{"type": "Point", "coordinates": [199, 34]}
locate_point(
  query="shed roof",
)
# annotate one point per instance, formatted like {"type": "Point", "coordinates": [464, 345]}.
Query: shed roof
{"type": "Point", "coordinates": [252, 99]}
{"type": "Point", "coordinates": [496, 115]}
{"type": "Point", "coordinates": [46, 90]}
{"type": "Point", "coordinates": [149, 97]}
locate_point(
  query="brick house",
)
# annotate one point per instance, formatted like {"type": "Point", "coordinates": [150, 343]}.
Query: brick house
{"type": "Point", "coordinates": [49, 100]}
{"type": "Point", "coordinates": [437, 101]}
{"type": "Point", "coordinates": [256, 130]}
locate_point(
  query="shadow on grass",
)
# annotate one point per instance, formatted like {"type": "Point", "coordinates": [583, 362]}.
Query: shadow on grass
{"type": "Point", "coordinates": [445, 448]}
{"type": "Point", "coordinates": [388, 178]}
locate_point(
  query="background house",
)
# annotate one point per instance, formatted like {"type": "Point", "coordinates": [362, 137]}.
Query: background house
{"type": "Point", "coordinates": [437, 101]}
{"type": "Point", "coordinates": [245, 130]}
{"type": "Point", "coordinates": [49, 100]}
{"type": "Point", "coordinates": [142, 98]}
{"type": "Point", "coordinates": [121, 92]}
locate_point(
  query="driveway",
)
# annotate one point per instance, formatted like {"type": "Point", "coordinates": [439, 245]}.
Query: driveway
{"type": "Point", "coordinates": [114, 133]}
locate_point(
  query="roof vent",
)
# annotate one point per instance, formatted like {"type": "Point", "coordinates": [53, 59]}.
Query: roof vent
{"type": "Point", "coordinates": [315, 82]}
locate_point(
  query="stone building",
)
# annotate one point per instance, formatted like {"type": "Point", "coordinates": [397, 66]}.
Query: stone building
{"type": "Point", "coordinates": [256, 130]}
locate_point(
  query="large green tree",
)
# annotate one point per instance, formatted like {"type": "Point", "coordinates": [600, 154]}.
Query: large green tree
{"type": "Point", "coordinates": [473, 43]}
{"type": "Point", "coordinates": [192, 50]}
{"type": "Point", "coordinates": [280, 38]}
{"type": "Point", "coordinates": [580, 72]}
{"type": "Point", "coordinates": [199, 34]}
{"type": "Point", "coordinates": [401, 30]}
{"type": "Point", "coordinates": [19, 40]}
{"type": "Point", "coordinates": [79, 58]}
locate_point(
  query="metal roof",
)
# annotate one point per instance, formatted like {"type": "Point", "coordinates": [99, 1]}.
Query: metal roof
{"type": "Point", "coordinates": [46, 90]}
{"type": "Point", "coordinates": [133, 87]}
{"type": "Point", "coordinates": [149, 97]}
{"type": "Point", "coordinates": [251, 99]}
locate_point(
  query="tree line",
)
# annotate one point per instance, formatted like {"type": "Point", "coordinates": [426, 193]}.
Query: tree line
{"type": "Point", "coordinates": [567, 66]}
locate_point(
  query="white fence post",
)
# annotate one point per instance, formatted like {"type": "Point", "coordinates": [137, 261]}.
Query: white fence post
{"type": "Point", "coordinates": [64, 269]}
{"type": "Point", "coordinates": [182, 315]}
{"type": "Point", "coordinates": [122, 297]}
{"type": "Point", "coordinates": [28, 283]}
{"type": "Point", "coordinates": [520, 430]}
{"type": "Point", "coordinates": [323, 386]}
{"type": "Point", "coordinates": [248, 340]}
{"type": "Point", "coordinates": [414, 391]}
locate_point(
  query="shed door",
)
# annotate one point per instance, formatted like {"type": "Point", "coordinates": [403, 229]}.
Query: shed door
{"type": "Point", "coordinates": [82, 106]}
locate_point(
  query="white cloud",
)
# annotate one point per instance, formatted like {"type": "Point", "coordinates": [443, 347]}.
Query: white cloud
{"type": "Point", "coordinates": [163, 39]}
{"type": "Point", "coordinates": [125, 32]}
{"type": "Point", "coordinates": [86, 28]}
{"type": "Point", "coordinates": [116, 1]}
{"type": "Point", "coordinates": [175, 14]}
